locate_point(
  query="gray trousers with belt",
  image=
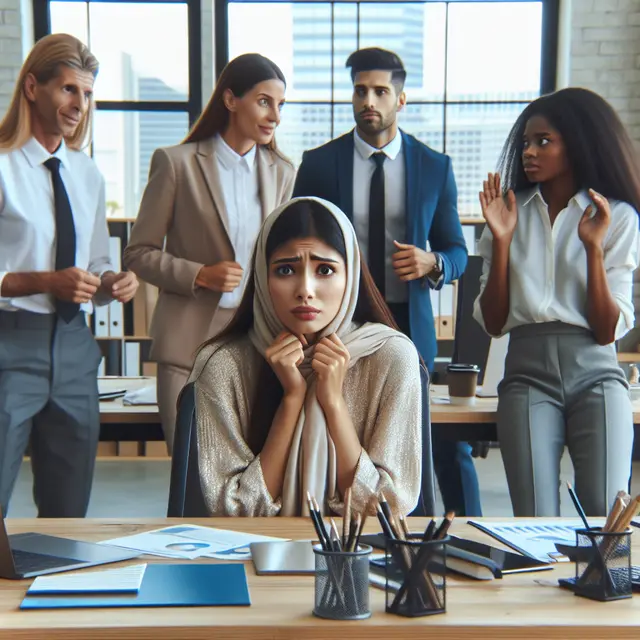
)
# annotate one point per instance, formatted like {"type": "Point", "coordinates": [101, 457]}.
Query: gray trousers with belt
{"type": "Point", "coordinates": [561, 388]}
{"type": "Point", "coordinates": [49, 399]}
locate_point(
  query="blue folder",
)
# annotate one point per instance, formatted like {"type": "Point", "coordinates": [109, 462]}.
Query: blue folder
{"type": "Point", "coordinates": [164, 585]}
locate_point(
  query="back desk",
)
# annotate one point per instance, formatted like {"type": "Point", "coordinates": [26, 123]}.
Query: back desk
{"type": "Point", "coordinates": [477, 423]}
{"type": "Point", "coordinates": [528, 605]}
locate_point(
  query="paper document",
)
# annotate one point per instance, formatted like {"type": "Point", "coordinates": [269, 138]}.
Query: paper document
{"type": "Point", "coordinates": [536, 537]}
{"type": "Point", "coordinates": [123, 580]}
{"type": "Point", "coordinates": [145, 395]}
{"type": "Point", "coordinates": [191, 541]}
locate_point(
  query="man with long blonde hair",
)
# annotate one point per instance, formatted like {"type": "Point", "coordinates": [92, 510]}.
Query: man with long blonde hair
{"type": "Point", "coordinates": [54, 263]}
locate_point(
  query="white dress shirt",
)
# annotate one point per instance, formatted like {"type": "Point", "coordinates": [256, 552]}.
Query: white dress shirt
{"type": "Point", "coordinates": [394, 206]}
{"type": "Point", "coordinates": [241, 192]}
{"type": "Point", "coordinates": [548, 264]}
{"type": "Point", "coordinates": [27, 217]}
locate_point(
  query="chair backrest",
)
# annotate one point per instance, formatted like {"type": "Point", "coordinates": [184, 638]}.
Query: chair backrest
{"type": "Point", "coordinates": [427, 501]}
{"type": "Point", "coordinates": [185, 492]}
{"type": "Point", "coordinates": [471, 343]}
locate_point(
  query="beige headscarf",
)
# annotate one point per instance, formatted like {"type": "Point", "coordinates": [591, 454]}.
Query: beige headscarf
{"type": "Point", "coordinates": [312, 460]}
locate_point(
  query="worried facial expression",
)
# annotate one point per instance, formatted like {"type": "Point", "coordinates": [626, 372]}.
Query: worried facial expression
{"type": "Point", "coordinates": [307, 282]}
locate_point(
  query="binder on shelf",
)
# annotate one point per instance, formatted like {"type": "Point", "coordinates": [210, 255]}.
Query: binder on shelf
{"type": "Point", "coordinates": [446, 316]}
{"type": "Point", "coordinates": [116, 319]}
{"type": "Point", "coordinates": [115, 253]}
{"type": "Point", "coordinates": [101, 321]}
{"type": "Point", "coordinates": [131, 359]}
{"type": "Point", "coordinates": [469, 233]}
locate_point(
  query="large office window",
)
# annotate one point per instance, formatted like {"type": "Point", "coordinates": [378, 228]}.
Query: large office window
{"type": "Point", "coordinates": [148, 88]}
{"type": "Point", "coordinates": [472, 67]}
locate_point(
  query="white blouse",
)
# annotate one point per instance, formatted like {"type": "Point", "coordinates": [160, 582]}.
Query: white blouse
{"type": "Point", "coordinates": [548, 264]}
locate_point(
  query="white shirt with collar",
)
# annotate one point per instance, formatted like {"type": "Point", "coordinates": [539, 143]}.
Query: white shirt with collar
{"type": "Point", "coordinates": [241, 193]}
{"type": "Point", "coordinates": [394, 205]}
{"type": "Point", "coordinates": [548, 264]}
{"type": "Point", "coordinates": [27, 217]}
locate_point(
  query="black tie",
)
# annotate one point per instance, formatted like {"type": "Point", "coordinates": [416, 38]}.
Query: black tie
{"type": "Point", "coordinates": [377, 250]}
{"type": "Point", "coordinates": [65, 235]}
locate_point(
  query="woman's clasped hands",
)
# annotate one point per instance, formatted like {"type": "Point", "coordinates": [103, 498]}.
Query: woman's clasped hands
{"type": "Point", "coordinates": [330, 361]}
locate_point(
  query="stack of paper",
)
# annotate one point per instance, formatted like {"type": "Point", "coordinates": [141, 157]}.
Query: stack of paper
{"type": "Point", "coordinates": [191, 541]}
{"type": "Point", "coordinates": [122, 580]}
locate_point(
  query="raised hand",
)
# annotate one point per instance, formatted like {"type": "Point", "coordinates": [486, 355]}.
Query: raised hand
{"type": "Point", "coordinates": [592, 227]}
{"type": "Point", "coordinates": [501, 215]}
{"type": "Point", "coordinates": [223, 276]}
{"type": "Point", "coordinates": [330, 362]}
{"type": "Point", "coordinates": [284, 356]}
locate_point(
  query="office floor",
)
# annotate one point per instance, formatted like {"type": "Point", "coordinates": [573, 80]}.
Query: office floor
{"type": "Point", "coordinates": [138, 488]}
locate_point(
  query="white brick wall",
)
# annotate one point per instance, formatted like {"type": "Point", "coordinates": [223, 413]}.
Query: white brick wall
{"type": "Point", "coordinates": [605, 57]}
{"type": "Point", "coordinates": [11, 43]}
{"type": "Point", "coordinates": [605, 54]}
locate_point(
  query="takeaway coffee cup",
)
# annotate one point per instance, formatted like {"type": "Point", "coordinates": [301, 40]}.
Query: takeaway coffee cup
{"type": "Point", "coordinates": [462, 380]}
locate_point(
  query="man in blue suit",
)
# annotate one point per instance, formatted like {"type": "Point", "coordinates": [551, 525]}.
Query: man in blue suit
{"type": "Point", "coordinates": [399, 194]}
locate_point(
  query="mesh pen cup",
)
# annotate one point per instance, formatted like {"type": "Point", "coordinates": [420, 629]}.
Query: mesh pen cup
{"type": "Point", "coordinates": [603, 564]}
{"type": "Point", "coordinates": [342, 584]}
{"type": "Point", "coordinates": [415, 571]}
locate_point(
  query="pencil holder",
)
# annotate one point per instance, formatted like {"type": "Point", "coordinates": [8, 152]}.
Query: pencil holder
{"type": "Point", "coordinates": [416, 583]}
{"type": "Point", "coordinates": [342, 584]}
{"type": "Point", "coordinates": [603, 564]}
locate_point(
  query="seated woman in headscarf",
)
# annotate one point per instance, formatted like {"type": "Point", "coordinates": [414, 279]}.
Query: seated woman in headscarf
{"type": "Point", "coordinates": [310, 388]}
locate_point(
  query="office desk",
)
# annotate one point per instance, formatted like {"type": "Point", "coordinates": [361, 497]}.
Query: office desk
{"type": "Point", "coordinates": [528, 605]}
{"type": "Point", "coordinates": [476, 423]}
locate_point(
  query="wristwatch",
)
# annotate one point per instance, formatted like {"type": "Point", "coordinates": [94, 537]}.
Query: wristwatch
{"type": "Point", "coordinates": [436, 272]}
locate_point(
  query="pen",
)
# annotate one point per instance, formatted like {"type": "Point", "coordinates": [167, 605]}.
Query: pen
{"type": "Point", "coordinates": [386, 509]}
{"type": "Point", "coordinates": [384, 523]}
{"type": "Point", "coordinates": [577, 505]}
{"type": "Point", "coordinates": [318, 523]}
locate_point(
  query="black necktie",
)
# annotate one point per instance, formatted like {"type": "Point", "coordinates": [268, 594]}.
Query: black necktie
{"type": "Point", "coordinates": [65, 235]}
{"type": "Point", "coordinates": [377, 250]}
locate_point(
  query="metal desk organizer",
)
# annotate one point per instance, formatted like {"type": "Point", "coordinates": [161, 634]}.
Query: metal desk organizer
{"type": "Point", "coordinates": [342, 583]}
{"type": "Point", "coordinates": [416, 583]}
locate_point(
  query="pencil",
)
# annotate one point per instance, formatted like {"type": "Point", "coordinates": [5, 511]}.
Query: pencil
{"type": "Point", "coordinates": [346, 517]}
{"type": "Point", "coordinates": [335, 536]}
{"type": "Point", "coordinates": [444, 526]}
{"type": "Point", "coordinates": [617, 508]}
{"type": "Point", "coordinates": [404, 527]}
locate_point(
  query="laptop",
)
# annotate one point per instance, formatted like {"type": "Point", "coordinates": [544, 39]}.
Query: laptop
{"type": "Point", "coordinates": [25, 555]}
{"type": "Point", "coordinates": [290, 557]}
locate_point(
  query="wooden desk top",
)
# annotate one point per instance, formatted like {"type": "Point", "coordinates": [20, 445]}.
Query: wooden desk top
{"type": "Point", "coordinates": [528, 605]}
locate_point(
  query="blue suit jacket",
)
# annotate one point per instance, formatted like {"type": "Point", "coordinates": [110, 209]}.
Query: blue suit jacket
{"type": "Point", "coordinates": [431, 210]}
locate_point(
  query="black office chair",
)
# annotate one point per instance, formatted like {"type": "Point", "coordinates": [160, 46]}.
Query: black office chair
{"type": "Point", "coordinates": [471, 343]}
{"type": "Point", "coordinates": [427, 501]}
{"type": "Point", "coordinates": [185, 492]}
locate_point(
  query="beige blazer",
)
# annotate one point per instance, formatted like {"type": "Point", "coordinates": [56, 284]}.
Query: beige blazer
{"type": "Point", "coordinates": [183, 203]}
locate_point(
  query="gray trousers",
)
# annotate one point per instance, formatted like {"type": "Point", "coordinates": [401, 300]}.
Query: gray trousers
{"type": "Point", "coordinates": [49, 399]}
{"type": "Point", "coordinates": [561, 388]}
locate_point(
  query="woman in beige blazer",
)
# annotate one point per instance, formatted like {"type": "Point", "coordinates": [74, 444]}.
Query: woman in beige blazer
{"type": "Point", "coordinates": [200, 214]}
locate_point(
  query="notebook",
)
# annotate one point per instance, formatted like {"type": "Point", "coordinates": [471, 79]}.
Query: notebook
{"type": "Point", "coordinates": [122, 580]}
{"type": "Point", "coordinates": [164, 585]}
